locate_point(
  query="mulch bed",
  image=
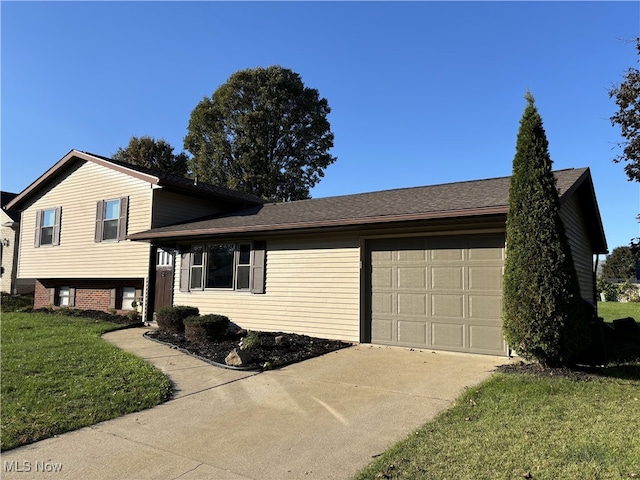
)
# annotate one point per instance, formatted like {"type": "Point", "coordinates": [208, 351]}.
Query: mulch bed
{"type": "Point", "coordinates": [292, 348]}
{"type": "Point", "coordinates": [92, 314]}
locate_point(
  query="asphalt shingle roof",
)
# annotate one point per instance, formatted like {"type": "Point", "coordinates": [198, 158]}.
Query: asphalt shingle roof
{"type": "Point", "coordinates": [479, 197]}
{"type": "Point", "coordinates": [186, 184]}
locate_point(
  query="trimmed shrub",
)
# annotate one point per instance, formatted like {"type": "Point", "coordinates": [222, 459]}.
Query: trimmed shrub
{"type": "Point", "coordinates": [207, 327]}
{"type": "Point", "coordinates": [171, 319]}
{"type": "Point", "coordinates": [16, 303]}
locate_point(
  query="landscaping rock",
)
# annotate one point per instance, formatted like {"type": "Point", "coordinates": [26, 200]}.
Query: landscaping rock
{"type": "Point", "coordinates": [238, 358]}
{"type": "Point", "coordinates": [279, 340]}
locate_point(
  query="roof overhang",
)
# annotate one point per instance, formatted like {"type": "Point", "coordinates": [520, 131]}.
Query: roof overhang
{"type": "Point", "coordinates": [585, 191]}
{"type": "Point", "coordinates": [444, 218]}
{"type": "Point", "coordinates": [65, 163]}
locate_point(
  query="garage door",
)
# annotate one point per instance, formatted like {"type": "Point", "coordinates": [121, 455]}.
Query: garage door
{"type": "Point", "coordinates": [437, 292]}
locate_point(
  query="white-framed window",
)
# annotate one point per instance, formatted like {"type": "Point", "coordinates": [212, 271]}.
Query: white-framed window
{"type": "Point", "coordinates": [128, 297]}
{"type": "Point", "coordinates": [47, 227]}
{"type": "Point", "coordinates": [237, 266]}
{"type": "Point", "coordinates": [111, 219]}
{"type": "Point", "coordinates": [243, 266]}
{"type": "Point", "coordinates": [64, 296]}
{"type": "Point", "coordinates": [197, 263]}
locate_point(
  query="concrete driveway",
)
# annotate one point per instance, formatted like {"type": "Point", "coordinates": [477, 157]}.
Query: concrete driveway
{"type": "Point", "coordinates": [324, 418]}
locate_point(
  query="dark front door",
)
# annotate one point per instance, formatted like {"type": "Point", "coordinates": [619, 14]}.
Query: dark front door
{"type": "Point", "coordinates": [164, 280]}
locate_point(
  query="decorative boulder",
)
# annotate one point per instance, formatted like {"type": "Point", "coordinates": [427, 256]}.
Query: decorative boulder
{"type": "Point", "coordinates": [238, 358]}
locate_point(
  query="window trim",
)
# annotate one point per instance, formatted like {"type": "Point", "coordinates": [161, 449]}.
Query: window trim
{"type": "Point", "coordinates": [123, 211]}
{"type": "Point", "coordinates": [133, 298]}
{"type": "Point", "coordinates": [55, 233]}
{"type": "Point", "coordinates": [71, 296]}
{"type": "Point", "coordinates": [255, 266]}
{"type": "Point", "coordinates": [116, 298]}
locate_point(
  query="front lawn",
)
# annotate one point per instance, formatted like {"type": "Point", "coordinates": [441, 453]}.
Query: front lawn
{"type": "Point", "coordinates": [526, 426]}
{"type": "Point", "coordinates": [59, 375]}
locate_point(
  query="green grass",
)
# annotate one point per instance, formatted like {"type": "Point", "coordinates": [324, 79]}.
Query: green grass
{"type": "Point", "coordinates": [523, 426]}
{"type": "Point", "coordinates": [59, 375]}
{"type": "Point", "coordinates": [613, 310]}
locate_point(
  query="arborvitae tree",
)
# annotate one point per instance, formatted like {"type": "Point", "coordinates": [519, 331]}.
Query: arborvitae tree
{"type": "Point", "coordinates": [543, 317]}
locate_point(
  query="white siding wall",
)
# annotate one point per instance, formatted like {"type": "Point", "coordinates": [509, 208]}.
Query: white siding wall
{"type": "Point", "coordinates": [312, 288]}
{"type": "Point", "coordinates": [78, 256]}
{"type": "Point", "coordinates": [581, 250]}
{"type": "Point", "coordinates": [170, 208]}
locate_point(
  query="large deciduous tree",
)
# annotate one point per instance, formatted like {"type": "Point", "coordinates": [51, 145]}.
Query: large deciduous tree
{"type": "Point", "coordinates": [620, 264]}
{"type": "Point", "coordinates": [627, 98]}
{"type": "Point", "coordinates": [542, 308]}
{"type": "Point", "coordinates": [148, 152]}
{"type": "Point", "coordinates": [262, 132]}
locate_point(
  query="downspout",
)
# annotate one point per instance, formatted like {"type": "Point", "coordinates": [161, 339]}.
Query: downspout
{"type": "Point", "coordinates": [595, 283]}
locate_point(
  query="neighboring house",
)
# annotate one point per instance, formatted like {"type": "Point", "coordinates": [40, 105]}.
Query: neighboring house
{"type": "Point", "coordinates": [75, 220]}
{"type": "Point", "coordinates": [9, 237]}
{"type": "Point", "coordinates": [417, 267]}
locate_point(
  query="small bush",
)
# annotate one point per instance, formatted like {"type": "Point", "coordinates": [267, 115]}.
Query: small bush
{"type": "Point", "coordinates": [16, 303]}
{"type": "Point", "coordinates": [171, 319]}
{"type": "Point", "coordinates": [253, 339]}
{"type": "Point", "coordinates": [610, 290]}
{"type": "Point", "coordinates": [206, 327]}
{"type": "Point", "coordinates": [628, 292]}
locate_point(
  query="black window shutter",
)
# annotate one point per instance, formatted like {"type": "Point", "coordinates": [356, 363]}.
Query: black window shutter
{"type": "Point", "coordinates": [258, 263]}
{"type": "Point", "coordinates": [185, 267]}
{"type": "Point", "coordinates": [122, 220]}
{"type": "Point", "coordinates": [99, 219]}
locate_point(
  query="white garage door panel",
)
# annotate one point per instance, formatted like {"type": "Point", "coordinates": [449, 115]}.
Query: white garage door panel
{"type": "Point", "coordinates": [437, 292]}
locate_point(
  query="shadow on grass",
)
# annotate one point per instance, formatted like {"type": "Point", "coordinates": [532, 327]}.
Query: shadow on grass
{"type": "Point", "coordinates": [616, 350]}
{"type": "Point", "coordinates": [623, 372]}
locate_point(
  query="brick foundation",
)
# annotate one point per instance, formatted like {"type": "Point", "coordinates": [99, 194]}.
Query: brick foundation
{"type": "Point", "coordinates": [89, 294]}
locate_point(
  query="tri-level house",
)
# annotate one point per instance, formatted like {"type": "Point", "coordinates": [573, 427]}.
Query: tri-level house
{"type": "Point", "coordinates": [417, 267]}
{"type": "Point", "coordinates": [75, 220]}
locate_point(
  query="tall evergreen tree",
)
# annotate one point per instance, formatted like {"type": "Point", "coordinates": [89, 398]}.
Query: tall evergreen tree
{"type": "Point", "coordinates": [543, 316]}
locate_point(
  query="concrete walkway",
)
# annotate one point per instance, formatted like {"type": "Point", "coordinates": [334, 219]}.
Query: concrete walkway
{"type": "Point", "coordinates": [324, 418]}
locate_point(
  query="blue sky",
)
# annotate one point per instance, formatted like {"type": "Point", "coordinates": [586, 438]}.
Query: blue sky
{"type": "Point", "coordinates": [421, 92]}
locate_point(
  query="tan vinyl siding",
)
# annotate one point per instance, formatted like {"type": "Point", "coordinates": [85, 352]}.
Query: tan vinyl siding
{"type": "Point", "coordinates": [581, 250]}
{"type": "Point", "coordinates": [170, 208]}
{"type": "Point", "coordinates": [78, 256]}
{"type": "Point", "coordinates": [8, 256]}
{"type": "Point", "coordinates": [312, 287]}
